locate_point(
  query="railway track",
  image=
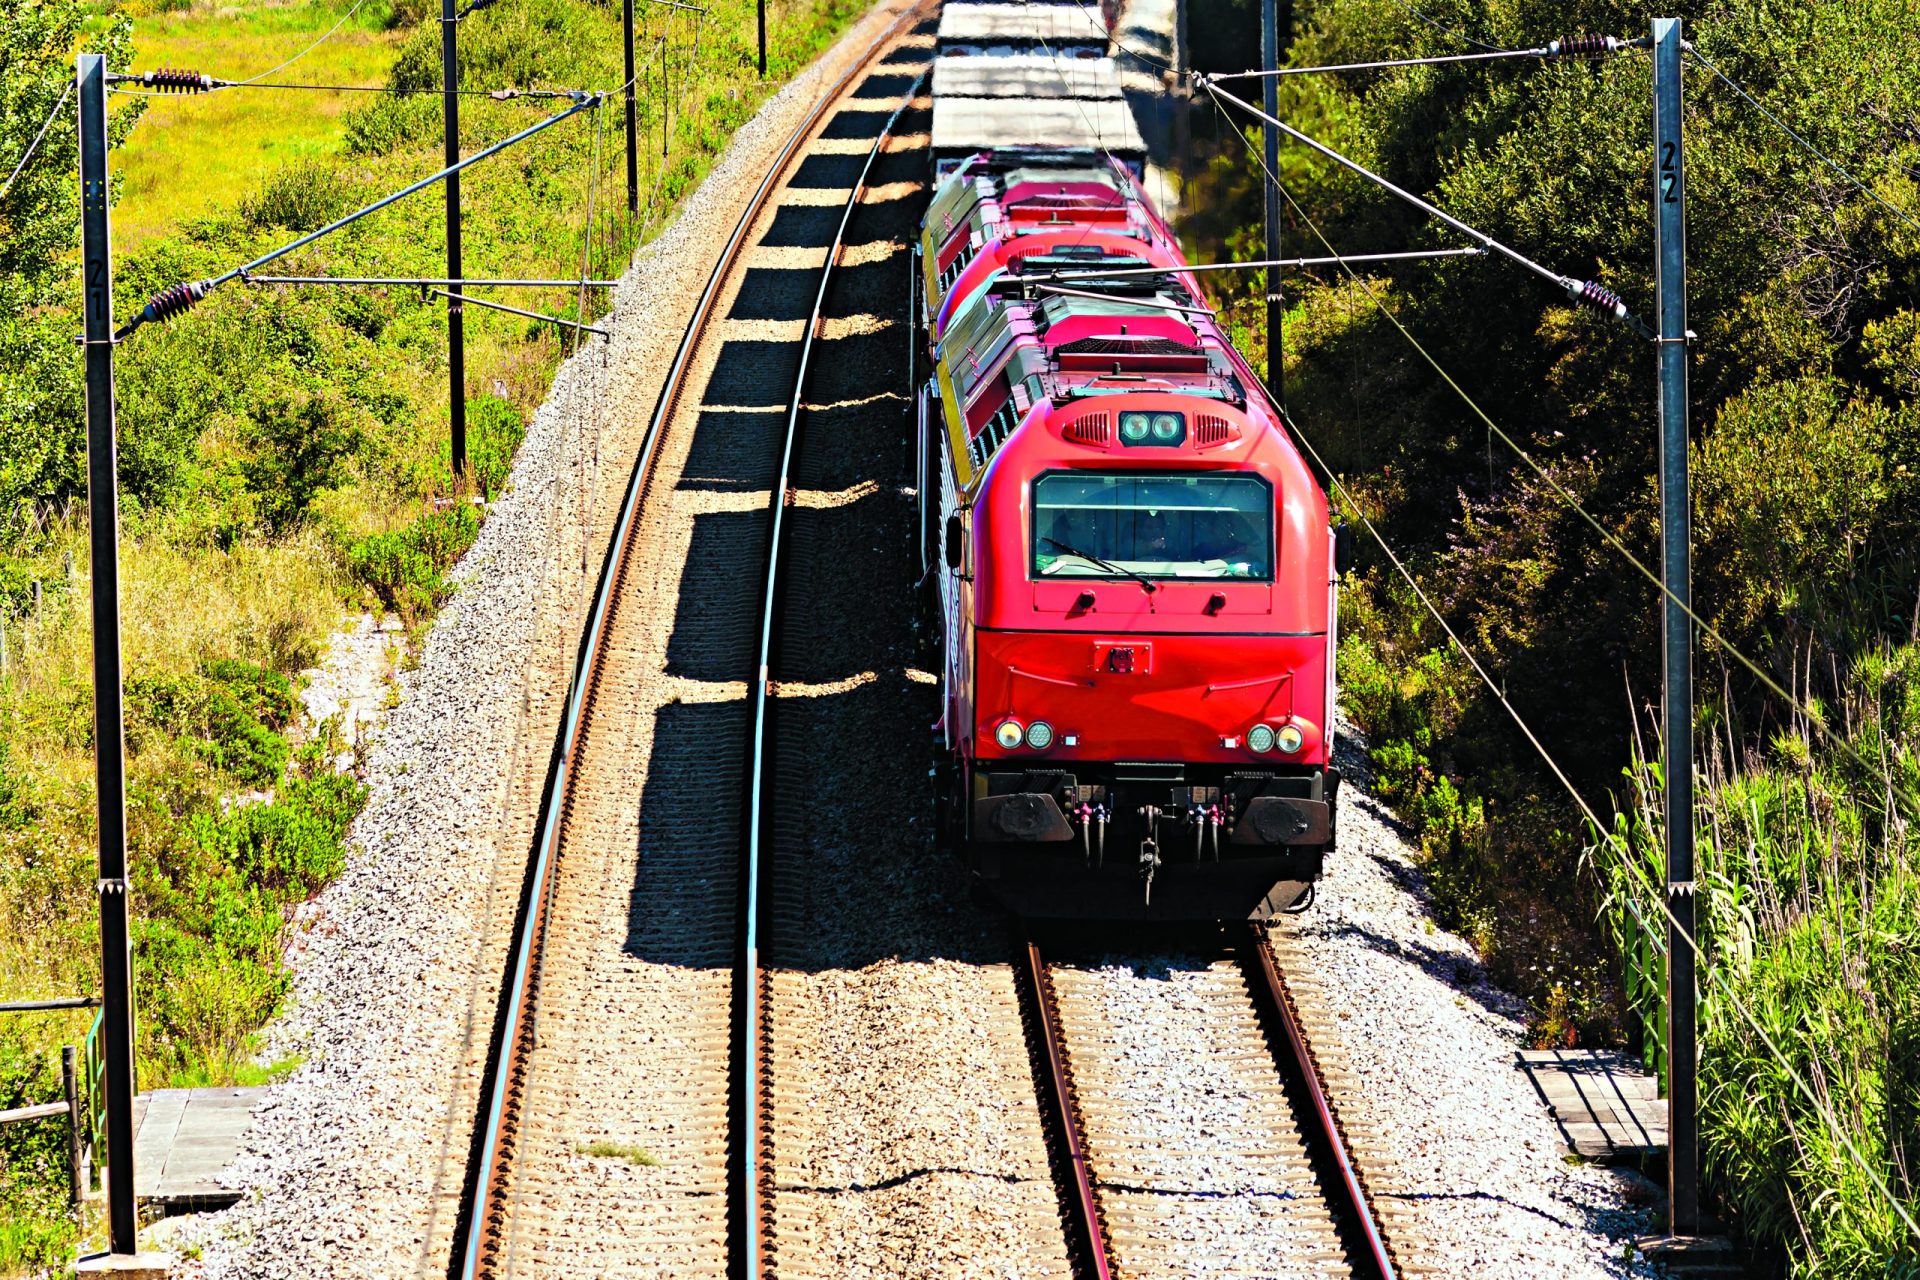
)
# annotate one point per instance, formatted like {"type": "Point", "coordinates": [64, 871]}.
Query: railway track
{"type": "Point", "coordinates": [666, 1094]}
{"type": "Point", "coordinates": [1197, 1128]}
{"type": "Point", "coordinates": [620, 1114]}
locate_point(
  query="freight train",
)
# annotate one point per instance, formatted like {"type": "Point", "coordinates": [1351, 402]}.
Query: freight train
{"type": "Point", "coordinates": [1131, 567]}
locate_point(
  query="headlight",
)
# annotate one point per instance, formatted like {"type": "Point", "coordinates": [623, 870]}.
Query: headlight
{"type": "Point", "coordinates": [1260, 739]}
{"type": "Point", "coordinates": [1008, 735]}
{"type": "Point", "coordinates": [1289, 738]}
{"type": "Point", "coordinates": [1039, 735]}
{"type": "Point", "coordinates": [1168, 428]}
{"type": "Point", "coordinates": [1134, 427]}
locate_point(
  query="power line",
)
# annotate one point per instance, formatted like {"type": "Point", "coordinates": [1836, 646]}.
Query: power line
{"type": "Point", "coordinates": [1439, 26]}
{"type": "Point", "coordinates": [310, 48]}
{"type": "Point", "coordinates": [1572, 47]}
{"type": "Point", "coordinates": [1713, 974]}
{"type": "Point", "coordinates": [176, 298]}
{"type": "Point", "coordinates": [1108, 273]}
{"type": "Point", "coordinates": [1812, 150]}
{"type": "Point", "coordinates": [1590, 293]}
{"type": "Point", "coordinates": [35, 144]}
{"type": "Point", "coordinates": [423, 282]}
{"type": "Point", "coordinates": [170, 82]}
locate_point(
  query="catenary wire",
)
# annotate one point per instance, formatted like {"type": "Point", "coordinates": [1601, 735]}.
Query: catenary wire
{"type": "Point", "coordinates": [35, 144]}
{"type": "Point", "coordinates": [1439, 26]}
{"type": "Point", "coordinates": [1586, 292]}
{"type": "Point", "coordinates": [1109, 273]}
{"type": "Point", "coordinates": [1553, 49]}
{"type": "Point", "coordinates": [1713, 974]}
{"type": "Point", "coordinates": [1810, 149]}
{"type": "Point", "coordinates": [1613, 540]}
{"type": "Point", "coordinates": [310, 48]}
{"type": "Point", "coordinates": [177, 298]}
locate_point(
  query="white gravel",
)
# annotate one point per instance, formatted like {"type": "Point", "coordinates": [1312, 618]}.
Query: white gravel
{"type": "Point", "coordinates": [1435, 1045]}
{"type": "Point", "coordinates": [353, 1166]}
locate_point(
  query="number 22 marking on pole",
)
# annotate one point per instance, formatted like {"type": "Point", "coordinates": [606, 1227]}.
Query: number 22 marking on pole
{"type": "Point", "coordinates": [1669, 175]}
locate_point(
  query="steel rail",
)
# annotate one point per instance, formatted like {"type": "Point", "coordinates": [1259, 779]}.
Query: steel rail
{"type": "Point", "coordinates": [1088, 1224]}
{"type": "Point", "coordinates": [483, 1198]}
{"type": "Point", "coordinates": [760, 778]}
{"type": "Point", "coordinates": [1271, 986]}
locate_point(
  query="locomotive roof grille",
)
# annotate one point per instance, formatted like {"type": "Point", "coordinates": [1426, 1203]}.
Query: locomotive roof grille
{"type": "Point", "coordinates": [1121, 346]}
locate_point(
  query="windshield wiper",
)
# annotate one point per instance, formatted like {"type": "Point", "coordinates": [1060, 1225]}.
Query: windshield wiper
{"type": "Point", "coordinates": [1110, 567]}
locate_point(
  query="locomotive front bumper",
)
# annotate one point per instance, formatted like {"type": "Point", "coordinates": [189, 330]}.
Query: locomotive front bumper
{"type": "Point", "coordinates": [1035, 817]}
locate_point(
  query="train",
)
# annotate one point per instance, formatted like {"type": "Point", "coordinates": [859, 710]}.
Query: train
{"type": "Point", "coordinates": [1131, 570]}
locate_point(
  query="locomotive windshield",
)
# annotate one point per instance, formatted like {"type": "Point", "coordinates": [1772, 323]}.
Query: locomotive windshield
{"type": "Point", "coordinates": [1093, 525]}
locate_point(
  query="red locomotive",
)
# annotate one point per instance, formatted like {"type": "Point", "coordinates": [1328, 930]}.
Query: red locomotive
{"type": "Point", "coordinates": [1134, 568]}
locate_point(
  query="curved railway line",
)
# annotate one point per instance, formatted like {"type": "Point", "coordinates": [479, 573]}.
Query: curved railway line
{"type": "Point", "coordinates": [669, 1090]}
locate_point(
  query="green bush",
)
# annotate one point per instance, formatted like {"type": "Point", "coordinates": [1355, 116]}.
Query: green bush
{"type": "Point", "coordinates": [302, 441]}
{"type": "Point", "coordinates": [494, 433]}
{"type": "Point", "coordinates": [406, 569]}
{"type": "Point", "coordinates": [209, 946]}
{"type": "Point", "coordinates": [303, 196]}
{"type": "Point", "coordinates": [1809, 922]}
{"type": "Point", "coordinates": [36, 1230]}
{"type": "Point", "coordinates": [229, 713]}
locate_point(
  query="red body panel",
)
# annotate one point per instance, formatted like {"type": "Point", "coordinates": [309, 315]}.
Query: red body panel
{"type": "Point", "coordinates": [1183, 698]}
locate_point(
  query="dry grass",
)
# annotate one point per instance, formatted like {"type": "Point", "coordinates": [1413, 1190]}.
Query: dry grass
{"type": "Point", "coordinates": [193, 155]}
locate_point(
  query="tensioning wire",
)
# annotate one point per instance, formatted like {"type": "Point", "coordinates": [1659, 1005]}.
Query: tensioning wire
{"type": "Point", "coordinates": [35, 144]}
{"type": "Point", "coordinates": [1812, 150]}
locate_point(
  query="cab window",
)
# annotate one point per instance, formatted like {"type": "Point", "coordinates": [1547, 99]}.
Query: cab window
{"type": "Point", "coordinates": [1092, 525]}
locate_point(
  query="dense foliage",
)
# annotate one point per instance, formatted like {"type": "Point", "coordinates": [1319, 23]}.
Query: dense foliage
{"type": "Point", "coordinates": [1807, 525]}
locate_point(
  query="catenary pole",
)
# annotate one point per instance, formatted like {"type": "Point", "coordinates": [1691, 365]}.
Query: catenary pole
{"type": "Point", "coordinates": [1670, 232]}
{"type": "Point", "coordinates": [762, 8]}
{"type": "Point", "coordinates": [633, 136]}
{"type": "Point", "coordinates": [103, 517]}
{"type": "Point", "coordinates": [456, 324]}
{"type": "Point", "coordinates": [1271, 15]}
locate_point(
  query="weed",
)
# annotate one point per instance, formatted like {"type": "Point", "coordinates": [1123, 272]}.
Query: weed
{"type": "Point", "coordinates": [635, 1155]}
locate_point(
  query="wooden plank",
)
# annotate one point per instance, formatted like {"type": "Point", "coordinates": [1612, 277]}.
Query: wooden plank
{"type": "Point", "coordinates": [1607, 1109]}
{"type": "Point", "coordinates": [185, 1139]}
{"type": "Point", "coordinates": [40, 1111]}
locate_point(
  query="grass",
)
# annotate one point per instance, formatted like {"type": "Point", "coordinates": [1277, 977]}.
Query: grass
{"type": "Point", "coordinates": [194, 154]}
{"type": "Point", "coordinates": [1809, 918]}
{"type": "Point", "coordinates": [634, 1155]}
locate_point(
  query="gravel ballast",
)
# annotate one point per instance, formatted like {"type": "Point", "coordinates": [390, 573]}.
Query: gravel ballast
{"type": "Point", "coordinates": [1435, 1044]}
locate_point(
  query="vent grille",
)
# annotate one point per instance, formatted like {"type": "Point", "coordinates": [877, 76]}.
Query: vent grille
{"type": "Point", "coordinates": [1095, 429]}
{"type": "Point", "coordinates": [1110, 346]}
{"type": "Point", "coordinates": [1210, 431]}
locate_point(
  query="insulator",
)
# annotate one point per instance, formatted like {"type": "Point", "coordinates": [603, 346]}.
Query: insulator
{"type": "Point", "coordinates": [173, 299]}
{"type": "Point", "coordinates": [1575, 46]}
{"type": "Point", "coordinates": [175, 80]}
{"type": "Point", "coordinates": [1591, 293]}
